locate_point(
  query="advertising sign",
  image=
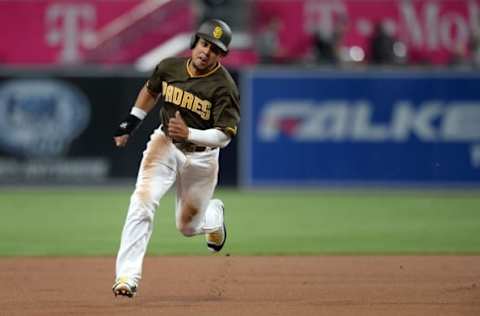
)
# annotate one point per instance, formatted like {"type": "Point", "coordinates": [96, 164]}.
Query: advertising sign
{"type": "Point", "coordinates": [57, 127]}
{"type": "Point", "coordinates": [433, 30]}
{"type": "Point", "coordinates": [89, 31]}
{"type": "Point", "coordinates": [391, 127]}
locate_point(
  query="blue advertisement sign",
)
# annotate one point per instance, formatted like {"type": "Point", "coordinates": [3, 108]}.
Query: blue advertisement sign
{"type": "Point", "coordinates": [313, 127]}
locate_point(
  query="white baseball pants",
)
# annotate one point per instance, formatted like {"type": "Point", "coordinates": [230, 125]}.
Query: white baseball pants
{"type": "Point", "coordinates": [196, 213]}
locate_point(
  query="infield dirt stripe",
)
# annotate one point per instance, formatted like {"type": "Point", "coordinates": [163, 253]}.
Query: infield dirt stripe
{"type": "Point", "coordinates": [221, 285]}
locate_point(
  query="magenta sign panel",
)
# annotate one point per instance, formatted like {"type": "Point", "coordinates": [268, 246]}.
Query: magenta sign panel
{"type": "Point", "coordinates": [116, 32]}
{"type": "Point", "coordinates": [48, 31]}
{"type": "Point", "coordinates": [92, 31]}
{"type": "Point", "coordinates": [431, 29]}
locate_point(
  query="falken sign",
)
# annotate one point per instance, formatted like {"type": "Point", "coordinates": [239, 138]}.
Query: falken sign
{"type": "Point", "coordinates": [372, 127]}
{"type": "Point", "coordinates": [340, 120]}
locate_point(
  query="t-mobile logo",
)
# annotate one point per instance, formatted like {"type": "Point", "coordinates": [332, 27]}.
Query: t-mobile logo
{"type": "Point", "coordinates": [70, 26]}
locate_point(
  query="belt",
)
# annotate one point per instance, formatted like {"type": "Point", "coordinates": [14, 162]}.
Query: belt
{"type": "Point", "coordinates": [190, 148]}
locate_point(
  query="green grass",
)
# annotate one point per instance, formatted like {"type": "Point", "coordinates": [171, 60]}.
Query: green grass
{"type": "Point", "coordinates": [89, 222]}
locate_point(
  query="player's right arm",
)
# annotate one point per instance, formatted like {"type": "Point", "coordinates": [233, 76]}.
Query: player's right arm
{"type": "Point", "coordinates": [144, 103]}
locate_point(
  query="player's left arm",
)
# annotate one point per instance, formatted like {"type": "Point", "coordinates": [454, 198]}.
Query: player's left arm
{"type": "Point", "coordinates": [213, 137]}
{"type": "Point", "coordinates": [226, 116]}
{"type": "Point", "coordinates": [226, 113]}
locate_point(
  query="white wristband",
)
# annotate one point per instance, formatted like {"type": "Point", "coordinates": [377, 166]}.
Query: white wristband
{"type": "Point", "coordinates": [138, 112]}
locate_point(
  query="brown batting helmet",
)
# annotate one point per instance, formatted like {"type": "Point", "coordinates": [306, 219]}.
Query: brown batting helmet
{"type": "Point", "coordinates": [216, 32]}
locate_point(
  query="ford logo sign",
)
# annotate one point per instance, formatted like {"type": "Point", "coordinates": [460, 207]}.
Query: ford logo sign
{"type": "Point", "coordinates": [40, 118]}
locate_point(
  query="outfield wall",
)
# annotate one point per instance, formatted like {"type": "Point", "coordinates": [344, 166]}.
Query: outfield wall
{"type": "Point", "coordinates": [304, 127]}
{"type": "Point", "coordinates": [57, 127]}
{"type": "Point", "coordinates": [299, 128]}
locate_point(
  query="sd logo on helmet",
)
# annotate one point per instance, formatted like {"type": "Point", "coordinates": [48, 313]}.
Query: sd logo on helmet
{"type": "Point", "coordinates": [216, 32]}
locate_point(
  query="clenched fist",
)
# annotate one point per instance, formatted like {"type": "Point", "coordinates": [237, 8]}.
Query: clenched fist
{"type": "Point", "coordinates": [177, 129]}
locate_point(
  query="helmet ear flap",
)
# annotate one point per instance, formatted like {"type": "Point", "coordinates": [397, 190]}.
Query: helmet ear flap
{"type": "Point", "coordinates": [193, 41]}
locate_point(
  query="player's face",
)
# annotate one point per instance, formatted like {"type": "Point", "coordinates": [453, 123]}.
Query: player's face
{"type": "Point", "coordinates": [205, 55]}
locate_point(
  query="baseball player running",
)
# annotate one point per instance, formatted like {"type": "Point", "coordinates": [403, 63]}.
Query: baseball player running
{"type": "Point", "coordinates": [199, 114]}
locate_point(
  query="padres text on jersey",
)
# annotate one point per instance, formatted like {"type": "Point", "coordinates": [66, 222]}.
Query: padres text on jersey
{"type": "Point", "coordinates": [207, 101]}
{"type": "Point", "coordinates": [185, 99]}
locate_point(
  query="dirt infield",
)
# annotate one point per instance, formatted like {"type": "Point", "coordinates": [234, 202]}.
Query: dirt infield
{"type": "Point", "coordinates": [228, 285]}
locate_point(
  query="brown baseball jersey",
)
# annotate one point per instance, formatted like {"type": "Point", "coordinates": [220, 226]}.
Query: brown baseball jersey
{"type": "Point", "coordinates": [207, 101]}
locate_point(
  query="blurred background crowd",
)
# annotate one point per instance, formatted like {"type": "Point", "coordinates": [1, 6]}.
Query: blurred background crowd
{"type": "Point", "coordinates": [299, 32]}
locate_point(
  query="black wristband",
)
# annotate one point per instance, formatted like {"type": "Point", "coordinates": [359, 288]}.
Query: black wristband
{"type": "Point", "coordinates": [128, 125]}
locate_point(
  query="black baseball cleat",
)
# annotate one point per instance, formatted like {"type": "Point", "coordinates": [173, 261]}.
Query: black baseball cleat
{"type": "Point", "coordinates": [123, 288]}
{"type": "Point", "coordinates": [216, 239]}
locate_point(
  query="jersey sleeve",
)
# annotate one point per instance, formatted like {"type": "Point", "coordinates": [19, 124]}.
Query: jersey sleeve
{"type": "Point", "coordinates": [226, 112]}
{"type": "Point", "coordinates": [154, 83]}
